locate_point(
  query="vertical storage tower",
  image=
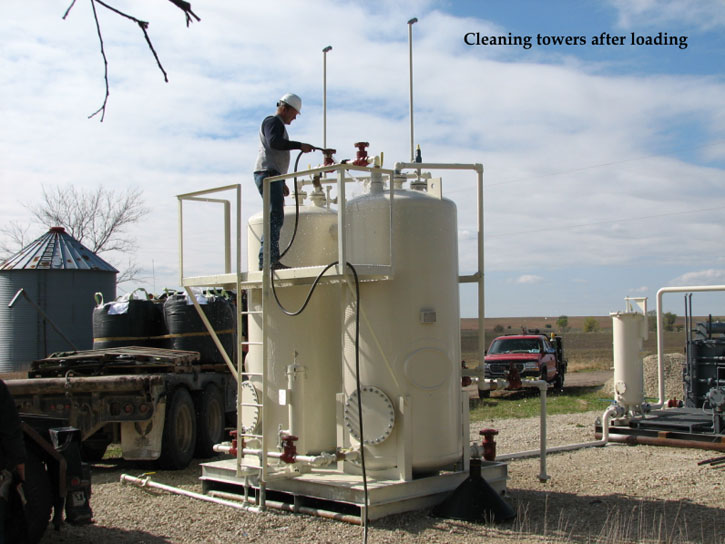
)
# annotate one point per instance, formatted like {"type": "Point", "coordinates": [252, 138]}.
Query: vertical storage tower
{"type": "Point", "coordinates": [306, 348]}
{"type": "Point", "coordinates": [629, 329]}
{"type": "Point", "coordinates": [409, 347]}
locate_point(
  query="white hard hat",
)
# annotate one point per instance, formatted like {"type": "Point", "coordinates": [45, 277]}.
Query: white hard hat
{"type": "Point", "coordinates": [291, 100]}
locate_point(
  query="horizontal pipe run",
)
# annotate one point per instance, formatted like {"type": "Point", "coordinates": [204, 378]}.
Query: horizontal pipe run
{"type": "Point", "coordinates": [146, 482]}
{"type": "Point", "coordinates": [312, 460]}
{"type": "Point", "coordinates": [207, 191]}
{"type": "Point", "coordinates": [555, 449]}
{"type": "Point", "coordinates": [606, 418]}
{"type": "Point", "coordinates": [611, 411]}
{"type": "Point", "coordinates": [437, 166]}
{"type": "Point", "coordinates": [306, 510]}
{"type": "Point", "coordinates": [672, 442]}
{"type": "Point", "coordinates": [330, 168]}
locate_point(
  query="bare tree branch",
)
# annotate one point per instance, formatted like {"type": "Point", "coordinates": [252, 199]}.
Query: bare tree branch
{"type": "Point", "coordinates": [130, 273]}
{"type": "Point", "coordinates": [15, 238]}
{"type": "Point", "coordinates": [102, 109]}
{"type": "Point", "coordinates": [186, 8]}
{"type": "Point", "coordinates": [73, 3]}
{"type": "Point", "coordinates": [96, 218]}
{"type": "Point", "coordinates": [143, 25]}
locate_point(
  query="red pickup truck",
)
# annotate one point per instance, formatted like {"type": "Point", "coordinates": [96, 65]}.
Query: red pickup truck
{"type": "Point", "coordinates": [532, 355]}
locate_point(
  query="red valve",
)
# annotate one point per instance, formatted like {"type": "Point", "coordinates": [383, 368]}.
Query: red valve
{"type": "Point", "coordinates": [289, 449]}
{"type": "Point", "coordinates": [489, 444]}
{"type": "Point", "coordinates": [362, 154]}
{"type": "Point", "coordinates": [328, 153]}
{"type": "Point", "coordinates": [235, 443]}
{"type": "Point", "coordinates": [465, 380]}
{"type": "Point", "coordinates": [513, 377]}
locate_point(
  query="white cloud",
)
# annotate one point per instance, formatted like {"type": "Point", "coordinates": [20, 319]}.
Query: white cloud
{"type": "Point", "coordinates": [638, 290]}
{"type": "Point", "coordinates": [530, 279]}
{"type": "Point", "coordinates": [705, 14]}
{"type": "Point", "coordinates": [700, 277]}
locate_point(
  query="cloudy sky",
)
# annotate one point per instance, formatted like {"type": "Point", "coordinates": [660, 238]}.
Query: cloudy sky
{"type": "Point", "coordinates": [604, 160]}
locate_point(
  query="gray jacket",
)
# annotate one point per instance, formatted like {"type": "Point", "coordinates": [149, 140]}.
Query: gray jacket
{"type": "Point", "coordinates": [274, 146]}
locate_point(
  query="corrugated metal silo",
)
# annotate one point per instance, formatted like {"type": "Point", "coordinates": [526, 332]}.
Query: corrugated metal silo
{"type": "Point", "coordinates": [60, 275]}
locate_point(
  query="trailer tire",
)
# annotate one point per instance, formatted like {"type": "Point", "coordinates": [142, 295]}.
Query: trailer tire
{"type": "Point", "coordinates": [179, 436]}
{"type": "Point", "coordinates": [209, 420]}
{"type": "Point", "coordinates": [31, 522]}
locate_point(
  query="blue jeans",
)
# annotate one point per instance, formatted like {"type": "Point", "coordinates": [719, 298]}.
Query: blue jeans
{"type": "Point", "coordinates": [276, 213]}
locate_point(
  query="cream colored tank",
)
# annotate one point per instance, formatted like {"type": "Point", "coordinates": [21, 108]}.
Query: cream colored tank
{"type": "Point", "coordinates": [628, 330]}
{"type": "Point", "coordinates": [314, 335]}
{"type": "Point", "coordinates": [410, 334]}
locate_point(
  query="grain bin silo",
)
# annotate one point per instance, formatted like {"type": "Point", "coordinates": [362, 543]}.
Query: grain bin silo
{"type": "Point", "coordinates": [61, 276]}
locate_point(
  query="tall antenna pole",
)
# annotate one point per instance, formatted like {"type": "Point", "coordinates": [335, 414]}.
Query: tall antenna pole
{"type": "Point", "coordinates": [324, 95]}
{"type": "Point", "coordinates": [410, 57]}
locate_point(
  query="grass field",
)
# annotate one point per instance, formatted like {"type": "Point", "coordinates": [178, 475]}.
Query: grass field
{"type": "Point", "coordinates": [527, 403]}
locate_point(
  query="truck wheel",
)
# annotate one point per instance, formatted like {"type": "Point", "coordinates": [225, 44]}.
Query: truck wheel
{"type": "Point", "coordinates": [179, 437]}
{"type": "Point", "coordinates": [39, 494]}
{"type": "Point", "coordinates": [209, 420]}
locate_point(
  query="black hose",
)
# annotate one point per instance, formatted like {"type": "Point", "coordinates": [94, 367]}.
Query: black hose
{"type": "Point", "coordinates": [359, 401]}
{"type": "Point", "coordinates": [309, 294]}
{"type": "Point", "coordinates": [297, 312]}
{"type": "Point", "coordinates": [297, 210]}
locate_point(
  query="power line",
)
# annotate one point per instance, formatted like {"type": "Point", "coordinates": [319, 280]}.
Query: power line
{"type": "Point", "coordinates": [611, 221]}
{"type": "Point", "coordinates": [590, 167]}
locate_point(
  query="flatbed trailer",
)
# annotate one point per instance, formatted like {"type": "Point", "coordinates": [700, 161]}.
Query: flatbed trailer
{"type": "Point", "coordinates": [160, 404]}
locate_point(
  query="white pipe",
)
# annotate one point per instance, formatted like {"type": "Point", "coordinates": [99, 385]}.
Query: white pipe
{"type": "Point", "coordinates": [294, 508]}
{"type": "Point", "coordinates": [146, 482]}
{"type": "Point", "coordinates": [660, 333]}
{"type": "Point", "coordinates": [613, 410]}
{"type": "Point", "coordinates": [324, 95]}
{"type": "Point", "coordinates": [218, 497]}
{"type": "Point", "coordinates": [542, 385]}
{"type": "Point", "coordinates": [410, 62]}
{"type": "Point", "coordinates": [322, 460]}
{"type": "Point", "coordinates": [293, 392]}
{"type": "Point", "coordinates": [492, 384]}
{"type": "Point", "coordinates": [399, 166]}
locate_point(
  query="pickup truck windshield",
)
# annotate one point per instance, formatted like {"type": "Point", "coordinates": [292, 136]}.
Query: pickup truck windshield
{"type": "Point", "coordinates": [515, 345]}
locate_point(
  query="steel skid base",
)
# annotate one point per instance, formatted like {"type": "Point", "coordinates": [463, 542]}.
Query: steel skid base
{"type": "Point", "coordinates": [335, 492]}
{"type": "Point", "coordinates": [676, 427]}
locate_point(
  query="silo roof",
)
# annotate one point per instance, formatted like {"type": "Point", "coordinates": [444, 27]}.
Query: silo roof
{"type": "Point", "coordinates": [56, 250]}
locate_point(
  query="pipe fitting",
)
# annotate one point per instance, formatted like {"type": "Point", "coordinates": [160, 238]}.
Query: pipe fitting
{"type": "Point", "coordinates": [361, 158]}
{"type": "Point", "coordinates": [488, 444]}
{"type": "Point", "coordinates": [289, 449]}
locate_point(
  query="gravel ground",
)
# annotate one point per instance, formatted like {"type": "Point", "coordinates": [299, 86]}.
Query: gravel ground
{"type": "Point", "coordinates": [598, 495]}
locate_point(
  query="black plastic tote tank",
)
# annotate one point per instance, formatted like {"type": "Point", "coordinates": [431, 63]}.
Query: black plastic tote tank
{"type": "Point", "coordinates": [138, 321]}
{"type": "Point", "coordinates": [187, 331]}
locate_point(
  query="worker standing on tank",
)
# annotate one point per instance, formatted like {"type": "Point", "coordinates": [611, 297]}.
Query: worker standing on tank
{"type": "Point", "coordinates": [273, 160]}
{"type": "Point", "coordinates": [12, 453]}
